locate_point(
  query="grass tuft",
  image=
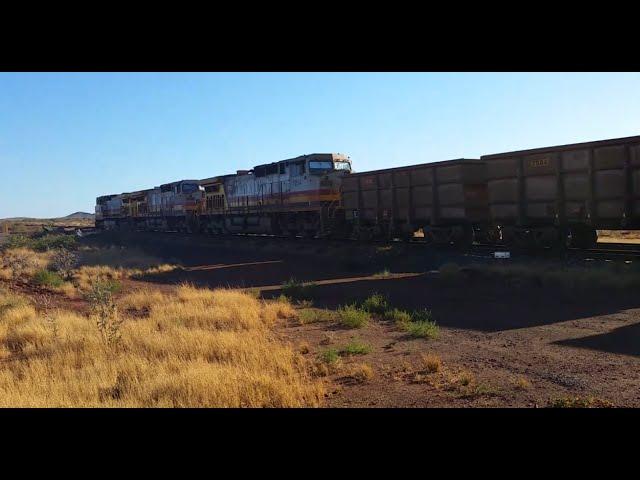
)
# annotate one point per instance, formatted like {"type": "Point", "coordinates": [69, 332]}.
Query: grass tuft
{"type": "Point", "coordinates": [431, 363]}
{"type": "Point", "coordinates": [421, 325]}
{"type": "Point", "coordinates": [315, 315]}
{"type": "Point", "coordinates": [579, 402]}
{"type": "Point", "coordinates": [330, 356]}
{"type": "Point", "coordinates": [47, 278]}
{"type": "Point", "coordinates": [376, 304]}
{"type": "Point", "coordinates": [361, 372]}
{"type": "Point", "coordinates": [352, 316]}
{"type": "Point", "coordinates": [355, 347]}
{"type": "Point", "coordinates": [296, 290]}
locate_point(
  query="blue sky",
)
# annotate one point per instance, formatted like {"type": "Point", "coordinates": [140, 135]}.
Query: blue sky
{"type": "Point", "coordinates": [66, 138]}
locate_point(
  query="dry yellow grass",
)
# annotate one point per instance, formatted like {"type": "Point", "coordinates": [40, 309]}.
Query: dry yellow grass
{"type": "Point", "coordinates": [431, 362]}
{"type": "Point", "coordinates": [85, 276]}
{"type": "Point", "coordinates": [193, 348]}
{"type": "Point", "coordinates": [118, 257]}
{"type": "Point", "coordinates": [30, 261]}
{"type": "Point", "coordinates": [360, 372]}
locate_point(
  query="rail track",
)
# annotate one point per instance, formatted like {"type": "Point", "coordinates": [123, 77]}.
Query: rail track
{"type": "Point", "coordinates": [606, 251]}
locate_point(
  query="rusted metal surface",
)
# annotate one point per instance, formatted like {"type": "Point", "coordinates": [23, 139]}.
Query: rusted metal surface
{"type": "Point", "coordinates": [594, 183]}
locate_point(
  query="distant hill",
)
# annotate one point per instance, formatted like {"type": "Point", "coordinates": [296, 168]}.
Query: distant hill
{"type": "Point", "coordinates": [73, 216]}
{"type": "Point", "coordinates": [78, 216]}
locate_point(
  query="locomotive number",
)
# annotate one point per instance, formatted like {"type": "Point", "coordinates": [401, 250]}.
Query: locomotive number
{"type": "Point", "coordinates": [540, 162]}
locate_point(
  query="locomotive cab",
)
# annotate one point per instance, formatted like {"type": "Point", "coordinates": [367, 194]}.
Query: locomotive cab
{"type": "Point", "coordinates": [338, 164]}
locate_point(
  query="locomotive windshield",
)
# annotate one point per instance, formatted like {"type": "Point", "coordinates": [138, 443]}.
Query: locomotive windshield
{"type": "Point", "coordinates": [342, 165]}
{"type": "Point", "coordinates": [324, 165]}
{"type": "Point", "coordinates": [328, 165]}
{"type": "Point", "coordinates": [190, 187]}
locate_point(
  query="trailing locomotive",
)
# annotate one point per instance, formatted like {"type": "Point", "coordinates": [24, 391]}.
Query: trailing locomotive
{"type": "Point", "coordinates": [546, 197]}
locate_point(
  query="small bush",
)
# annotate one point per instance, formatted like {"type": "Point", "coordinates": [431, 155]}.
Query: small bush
{"type": "Point", "coordinates": [47, 278]}
{"type": "Point", "coordinates": [110, 285]}
{"type": "Point", "coordinates": [361, 372]}
{"type": "Point", "coordinates": [397, 316]}
{"type": "Point", "coordinates": [431, 363]}
{"type": "Point", "coordinates": [422, 329]}
{"type": "Point", "coordinates": [423, 315]}
{"type": "Point", "coordinates": [17, 241]}
{"type": "Point", "coordinates": [20, 262]}
{"type": "Point", "coordinates": [64, 262]}
{"type": "Point", "coordinates": [284, 299]}
{"type": "Point", "coordinates": [522, 383]}
{"type": "Point", "coordinates": [330, 356]}
{"type": "Point", "coordinates": [466, 378]}
{"type": "Point", "coordinates": [53, 242]}
{"type": "Point", "coordinates": [298, 290]}
{"type": "Point", "coordinates": [353, 317]}
{"type": "Point", "coordinates": [314, 315]}
{"type": "Point", "coordinates": [105, 312]}
{"type": "Point", "coordinates": [355, 347]}
{"type": "Point", "coordinates": [376, 303]}
{"type": "Point", "coordinates": [578, 402]}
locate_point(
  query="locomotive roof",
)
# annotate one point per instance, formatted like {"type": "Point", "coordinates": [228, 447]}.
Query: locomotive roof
{"type": "Point", "coordinates": [217, 178]}
{"type": "Point", "coordinates": [457, 161]}
{"type": "Point", "coordinates": [569, 146]}
{"type": "Point", "coordinates": [332, 156]}
{"type": "Point", "coordinates": [180, 181]}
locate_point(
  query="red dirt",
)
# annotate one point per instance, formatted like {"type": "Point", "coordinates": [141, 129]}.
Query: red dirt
{"type": "Point", "coordinates": [522, 344]}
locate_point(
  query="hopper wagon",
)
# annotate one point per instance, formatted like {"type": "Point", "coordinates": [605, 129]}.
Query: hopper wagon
{"type": "Point", "coordinates": [561, 195]}
{"type": "Point", "coordinates": [445, 201]}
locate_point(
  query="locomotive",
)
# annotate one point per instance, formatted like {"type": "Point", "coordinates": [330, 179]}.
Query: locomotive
{"type": "Point", "coordinates": [545, 197]}
{"type": "Point", "coordinates": [297, 196]}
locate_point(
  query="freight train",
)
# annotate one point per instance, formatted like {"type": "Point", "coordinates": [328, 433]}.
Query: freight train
{"type": "Point", "coordinates": [546, 197]}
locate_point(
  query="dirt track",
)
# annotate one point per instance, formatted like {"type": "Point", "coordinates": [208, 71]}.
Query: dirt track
{"type": "Point", "coordinates": [555, 344]}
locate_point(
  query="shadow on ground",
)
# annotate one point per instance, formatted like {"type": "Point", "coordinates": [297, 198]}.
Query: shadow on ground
{"type": "Point", "coordinates": [468, 302]}
{"type": "Point", "coordinates": [623, 340]}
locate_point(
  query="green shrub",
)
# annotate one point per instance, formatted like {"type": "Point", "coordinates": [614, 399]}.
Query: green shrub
{"type": "Point", "coordinates": [18, 241]}
{"type": "Point", "coordinates": [64, 262]}
{"type": "Point", "coordinates": [53, 242]}
{"type": "Point", "coordinates": [577, 402]}
{"type": "Point", "coordinates": [330, 356]}
{"type": "Point", "coordinates": [48, 278]}
{"type": "Point", "coordinates": [418, 324]}
{"type": "Point", "coordinates": [298, 290]}
{"type": "Point", "coordinates": [352, 316]}
{"type": "Point", "coordinates": [315, 315]}
{"type": "Point", "coordinates": [376, 303]}
{"type": "Point", "coordinates": [421, 329]}
{"type": "Point", "coordinates": [423, 315]}
{"type": "Point", "coordinates": [355, 347]}
{"type": "Point", "coordinates": [107, 285]}
{"type": "Point", "coordinates": [397, 316]}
